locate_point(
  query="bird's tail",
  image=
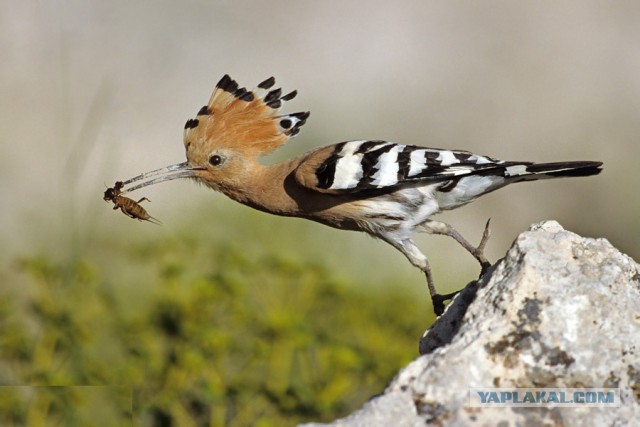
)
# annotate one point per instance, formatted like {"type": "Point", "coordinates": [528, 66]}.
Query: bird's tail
{"type": "Point", "coordinates": [535, 171]}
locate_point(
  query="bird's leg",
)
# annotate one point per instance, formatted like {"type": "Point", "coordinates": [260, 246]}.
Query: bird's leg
{"type": "Point", "coordinates": [418, 259]}
{"type": "Point", "coordinates": [437, 227]}
{"type": "Point", "coordinates": [436, 299]}
{"type": "Point", "coordinates": [433, 293]}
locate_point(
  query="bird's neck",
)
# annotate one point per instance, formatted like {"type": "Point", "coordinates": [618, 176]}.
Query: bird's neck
{"type": "Point", "coordinates": [264, 187]}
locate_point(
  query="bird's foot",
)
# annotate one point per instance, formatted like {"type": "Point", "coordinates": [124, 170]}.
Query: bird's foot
{"type": "Point", "coordinates": [438, 301]}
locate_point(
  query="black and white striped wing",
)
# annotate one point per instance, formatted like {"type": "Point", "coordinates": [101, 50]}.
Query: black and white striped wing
{"type": "Point", "coordinates": [355, 166]}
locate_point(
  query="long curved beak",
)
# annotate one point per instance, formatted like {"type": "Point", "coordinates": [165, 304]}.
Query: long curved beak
{"type": "Point", "coordinates": [180, 170]}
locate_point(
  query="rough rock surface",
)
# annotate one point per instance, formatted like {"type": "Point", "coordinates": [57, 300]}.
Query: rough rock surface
{"type": "Point", "coordinates": [559, 310]}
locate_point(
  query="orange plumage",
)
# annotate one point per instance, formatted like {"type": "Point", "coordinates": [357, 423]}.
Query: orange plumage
{"type": "Point", "coordinates": [241, 120]}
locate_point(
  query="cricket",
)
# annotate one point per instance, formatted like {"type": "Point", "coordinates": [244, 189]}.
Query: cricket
{"type": "Point", "coordinates": [128, 206]}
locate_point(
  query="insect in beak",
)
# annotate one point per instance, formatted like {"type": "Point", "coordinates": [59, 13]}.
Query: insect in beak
{"type": "Point", "coordinates": [128, 206]}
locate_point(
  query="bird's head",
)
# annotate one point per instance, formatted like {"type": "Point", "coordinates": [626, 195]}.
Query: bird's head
{"type": "Point", "coordinates": [229, 134]}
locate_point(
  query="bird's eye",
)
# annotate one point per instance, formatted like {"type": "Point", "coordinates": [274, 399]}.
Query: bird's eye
{"type": "Point", "coordinates": [215, 160]}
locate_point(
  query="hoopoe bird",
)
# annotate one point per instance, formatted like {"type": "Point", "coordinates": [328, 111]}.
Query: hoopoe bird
{"type": "Point", "coordinates": [387, 190]}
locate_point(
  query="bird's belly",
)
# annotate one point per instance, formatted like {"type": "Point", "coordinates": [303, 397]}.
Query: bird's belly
{"type": "Point", "coordinates": [398, 212]}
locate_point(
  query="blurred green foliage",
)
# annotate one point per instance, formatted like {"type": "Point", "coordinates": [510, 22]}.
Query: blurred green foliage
{"type": "Point", "coordinates": [180, 332]}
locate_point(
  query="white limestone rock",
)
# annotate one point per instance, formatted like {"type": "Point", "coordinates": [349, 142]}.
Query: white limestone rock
{"type": "Point", "coordinates": [559, 311]}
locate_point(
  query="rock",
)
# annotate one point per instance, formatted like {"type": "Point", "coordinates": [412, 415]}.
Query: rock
{"type": "Point", "coordinates": [559, 311]}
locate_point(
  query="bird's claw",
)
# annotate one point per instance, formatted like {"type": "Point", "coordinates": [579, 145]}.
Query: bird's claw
{"type": "Point", "coordinates": [438, 301]}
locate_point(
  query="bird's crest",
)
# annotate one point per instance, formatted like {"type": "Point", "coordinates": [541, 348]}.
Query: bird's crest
{"type": "Point", "coordinates": [244, 120]}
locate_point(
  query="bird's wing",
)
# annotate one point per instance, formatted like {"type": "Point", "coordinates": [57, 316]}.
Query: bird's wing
{"type": "Point", "coordinates": [354, 166]}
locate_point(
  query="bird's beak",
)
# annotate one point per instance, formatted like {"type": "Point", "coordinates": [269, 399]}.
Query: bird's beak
{"type": "Point", "coordinates": [180, 170]}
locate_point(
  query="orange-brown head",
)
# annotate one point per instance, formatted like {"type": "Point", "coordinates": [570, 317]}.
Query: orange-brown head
{"type": "Point", "coordinates": [230, 133]}
{"type": "Point", "coordinates": [235, 128]}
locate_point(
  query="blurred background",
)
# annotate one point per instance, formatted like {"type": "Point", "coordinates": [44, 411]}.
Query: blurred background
{"type": "Point", "coordinates": [293, 323]}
